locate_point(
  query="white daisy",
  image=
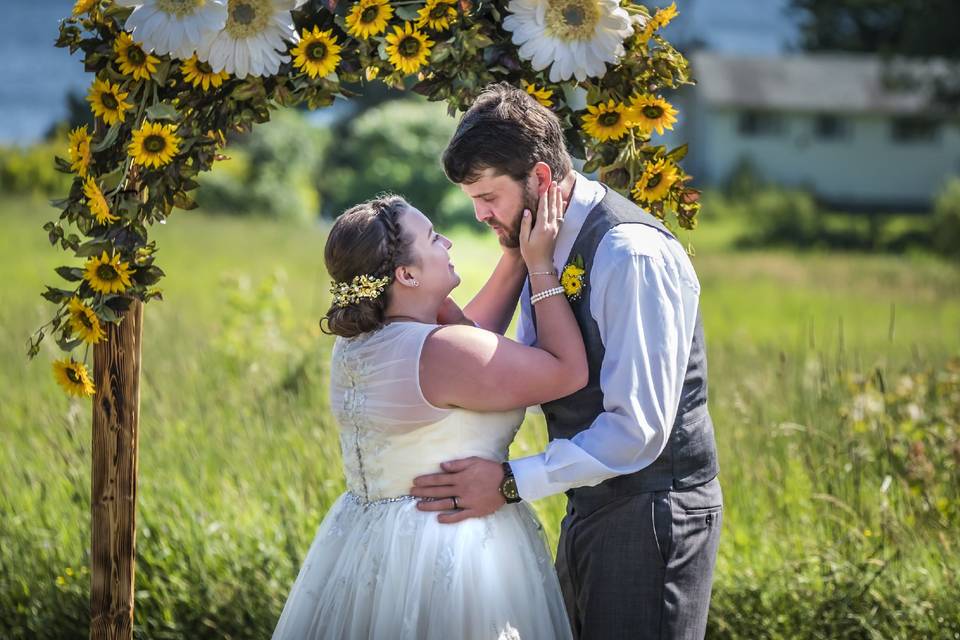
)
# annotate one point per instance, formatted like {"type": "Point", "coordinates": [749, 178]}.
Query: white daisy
{"type": "Point", "coordinates": [253, 42]}
{"type": "Point", "coordinates": [176, 27]}
{"type": "Point", "coordinates": [572, 37]}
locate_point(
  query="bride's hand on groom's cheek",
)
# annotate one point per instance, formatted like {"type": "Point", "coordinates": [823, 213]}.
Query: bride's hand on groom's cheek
{"type": "Point", "coordinates": [475, 482]}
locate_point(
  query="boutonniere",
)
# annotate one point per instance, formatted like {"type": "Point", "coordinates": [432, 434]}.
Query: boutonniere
{"type": "Point", "coordinates": [572, 278]}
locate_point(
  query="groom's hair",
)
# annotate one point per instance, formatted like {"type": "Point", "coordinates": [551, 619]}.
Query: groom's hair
{"type": "Point", "coordinates": [508, 131]}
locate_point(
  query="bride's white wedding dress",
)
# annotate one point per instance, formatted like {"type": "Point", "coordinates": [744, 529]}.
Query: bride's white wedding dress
{"type": "Point", "coordinates": [380, 568]}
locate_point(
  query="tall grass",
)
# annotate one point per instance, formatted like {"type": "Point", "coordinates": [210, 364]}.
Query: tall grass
{"type": "Point", "coordinates": [826, 371]}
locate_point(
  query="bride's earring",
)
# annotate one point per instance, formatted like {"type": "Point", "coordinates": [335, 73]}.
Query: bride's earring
{"type": "Point", "coordinates": [416, 284]}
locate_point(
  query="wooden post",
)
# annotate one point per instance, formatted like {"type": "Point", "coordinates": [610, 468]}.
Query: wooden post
{"type": "Point", "coordinates": [116, 422]}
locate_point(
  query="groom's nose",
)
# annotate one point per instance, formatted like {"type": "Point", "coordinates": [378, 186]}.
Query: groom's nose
{"type": "Point", "coordinates": [482, 214]}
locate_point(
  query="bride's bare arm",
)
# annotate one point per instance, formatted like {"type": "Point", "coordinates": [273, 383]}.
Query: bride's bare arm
{"type": "Point", "coordinates": [475, 369]}
{"type": "Point", "coordinates": [493, 306]}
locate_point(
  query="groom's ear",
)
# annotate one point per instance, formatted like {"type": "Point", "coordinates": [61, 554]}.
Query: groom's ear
{"type": "Point", "coordinates": [544, 176]}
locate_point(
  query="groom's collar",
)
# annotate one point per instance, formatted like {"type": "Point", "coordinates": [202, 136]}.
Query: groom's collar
{"type": "Point", "coordinates": [586, 194]}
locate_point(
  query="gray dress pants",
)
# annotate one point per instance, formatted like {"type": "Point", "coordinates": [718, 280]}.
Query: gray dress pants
{"type": "Point", "coordinates": [641, 566]}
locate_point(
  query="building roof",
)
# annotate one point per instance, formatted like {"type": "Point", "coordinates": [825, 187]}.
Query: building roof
{"type": "Point", "coordinates": [814, 82]}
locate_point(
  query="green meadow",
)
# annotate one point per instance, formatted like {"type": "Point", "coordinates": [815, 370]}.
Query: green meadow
{"type": "Point", "coordinates": [834, 388]}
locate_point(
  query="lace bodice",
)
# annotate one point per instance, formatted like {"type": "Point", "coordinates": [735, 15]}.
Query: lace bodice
{"type": "Point", "coordinates": [390, 433]}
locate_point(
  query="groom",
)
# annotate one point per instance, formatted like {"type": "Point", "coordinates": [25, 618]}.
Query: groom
{"type": "Point", "coordinates": [633, 450]}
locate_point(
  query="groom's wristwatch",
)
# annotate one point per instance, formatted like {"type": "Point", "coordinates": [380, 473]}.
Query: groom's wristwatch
{"type": "Point", "coordinates": [509, 485]}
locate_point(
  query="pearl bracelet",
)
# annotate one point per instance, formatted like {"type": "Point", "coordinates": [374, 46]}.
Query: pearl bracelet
{"type": "Point", "coordinates": [537, 297]}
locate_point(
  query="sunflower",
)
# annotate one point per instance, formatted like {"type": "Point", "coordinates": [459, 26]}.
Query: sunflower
{"type": "Point", "coordinates": [655, 183]}
{"type": "Point", "coordinates": [154, 144]}
{"type": "Point", "coordinates": [572, 37]}
{"type": "Point", "coordinates": [653, 113]}
{"type": "Point", "coordinates": [408, 48]}
{"type": "Point", "coordinates": [84, 321]}
{"type": "Point", "coordinates": [106, 274]}
{"type": "Point", "coordinates": [254, 39]}
{"type": "Point", "coordinates": [665, 16]}
{"type": "Point", "coordinates": [607, 121]}
{"type": "Point", "coordinates": [543, 96]}
{"type": "Point", "coordinates": [661, 19]}
{"type": "Point", "coordinates": [572, 280]}
{"type": "Point", "coordinates": [202, 74]}
{"type": "Point", "coordinates": [106, 100]}
{"type": "Point", "coordinates": [97, 203]}
{"type": "Point", "coordinates": [437, 14]}
{"type": "Point", "coordinates": [83, 6]}
{"type": "Point", "coordinates": [80, 150]}
{"type": "Point", "coordinates": [368, 18]}
{"type": "Point", "coordinates": [318, 53]}
{"type": "Point", "coordinates": [134, 61]}
{"type": "Point", "coordinates": [73, 377]}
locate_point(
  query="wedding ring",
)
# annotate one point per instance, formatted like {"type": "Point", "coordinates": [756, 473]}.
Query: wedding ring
{"type": "Point", "coordinates": [454, 498]}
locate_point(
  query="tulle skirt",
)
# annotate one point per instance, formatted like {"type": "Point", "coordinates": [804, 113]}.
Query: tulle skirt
{"type": "Point", "coordinates": [387, 570]}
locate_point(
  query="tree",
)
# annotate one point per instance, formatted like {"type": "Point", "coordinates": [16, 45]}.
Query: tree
{"type": "Point", "coordinates": [894, 28]}
{"type": "Point", "coordinates": [922, 28]}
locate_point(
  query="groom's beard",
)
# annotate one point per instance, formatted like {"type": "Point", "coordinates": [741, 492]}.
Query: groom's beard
{"type": "Point", "coordinates": [511, 238]}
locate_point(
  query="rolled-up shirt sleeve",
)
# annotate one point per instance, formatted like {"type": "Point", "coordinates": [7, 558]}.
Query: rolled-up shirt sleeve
{"type": "Point", "coordinates": [644, 297]}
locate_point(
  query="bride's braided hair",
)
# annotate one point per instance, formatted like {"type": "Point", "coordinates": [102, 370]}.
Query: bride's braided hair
{"type": "Point", "coordinates": [366, 239]}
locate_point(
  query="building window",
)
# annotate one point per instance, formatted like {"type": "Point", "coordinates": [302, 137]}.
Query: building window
{"type": "Point", "coordinates": [760, 123]}
{"type": "Point", "coordinates": [913, 130]}
{"type": "Point", "coordinates": [831, 127]}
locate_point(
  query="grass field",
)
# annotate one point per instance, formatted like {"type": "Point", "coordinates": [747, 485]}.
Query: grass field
{"type": "Point", "coordinates": [834, 387]}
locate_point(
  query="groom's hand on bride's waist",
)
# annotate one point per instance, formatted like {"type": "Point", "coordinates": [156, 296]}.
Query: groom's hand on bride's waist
{"type": "Point", "coordinates": [474, 482]}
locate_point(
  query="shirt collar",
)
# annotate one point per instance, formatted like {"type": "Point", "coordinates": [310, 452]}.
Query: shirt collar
{"type": "Point", "coordinates": [585, 196]}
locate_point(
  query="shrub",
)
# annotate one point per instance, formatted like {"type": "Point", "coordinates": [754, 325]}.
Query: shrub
{"type": "Point", "coordinates": [396, 147]}
{"type": "Point", "coordinates": [782, 217]}
{"type": "Point", "coordinates": [271, 173]}
{"type": "Point", "coordinates": [946, 220]}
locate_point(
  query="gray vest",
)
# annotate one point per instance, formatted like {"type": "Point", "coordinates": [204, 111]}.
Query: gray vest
{"type": "Point", "coordinates": [690, 457]}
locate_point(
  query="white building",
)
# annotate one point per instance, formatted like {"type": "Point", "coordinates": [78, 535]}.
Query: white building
{"type": "Point", "coordinates": [831, 123]}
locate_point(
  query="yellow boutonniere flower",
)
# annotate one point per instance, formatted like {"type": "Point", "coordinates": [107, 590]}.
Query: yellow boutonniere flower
{"type": "Point", "coordinates": [572, 278]}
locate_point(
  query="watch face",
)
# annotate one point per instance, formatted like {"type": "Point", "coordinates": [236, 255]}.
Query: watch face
{"type": "Point", "coordinates": [510, 489]}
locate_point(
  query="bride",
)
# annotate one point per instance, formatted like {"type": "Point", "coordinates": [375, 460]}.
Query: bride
{"type": "Point", "coordinates": [378, 567]}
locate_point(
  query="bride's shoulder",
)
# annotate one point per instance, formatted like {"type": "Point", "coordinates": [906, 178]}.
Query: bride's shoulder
{"type": "Point", "coordinates": [460, 335]}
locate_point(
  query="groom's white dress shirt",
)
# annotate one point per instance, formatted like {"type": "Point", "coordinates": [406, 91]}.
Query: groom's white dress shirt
{"type": "Point", "coordinates": [644, 295]}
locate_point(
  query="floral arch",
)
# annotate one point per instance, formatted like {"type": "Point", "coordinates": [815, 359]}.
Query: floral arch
{"type": "Point", "coordinates": [172, 77]}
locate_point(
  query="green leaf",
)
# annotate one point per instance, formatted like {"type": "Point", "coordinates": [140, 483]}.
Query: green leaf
{"type": "Point", "coordinates": [70, 274]}
{"type": "Point", "coordinates": [408, 11]}
{"type": "Point", "coordinates": [592, 164]}
{"type": "Point", "coordinates": [65, 343]}
{"type": "Point", "coordinates": [107, 313]}
{"type": "Point", "coordinates": [163, 111]}
{"type": "Point", "coordinates": [440, 53]}
{"type": "Point", "coordinates": [118, 303]}
{"type": "Point", "coordinates": [57, 295]}
{"type": "Point", "coordinates": [72, 241]}
{"type": "Point", "coordinates": [108, 139]}
{"type": "Point", "coordinates": [679, 153]}
{"type": "Point", "coordinates": [110, 181]}
{"type": "Point", "coordinates": [247, 90]}
{"type": "Point", "coordinates": [182, 201]}
{"type": "Point", "coordinates": [148, 276]}
{"type": "Point", "coordinates": [62, 165]}
{"type": "Point", "coordinates": [163, 70]}
{"type": "Point", "coordinates": [92, 248]}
